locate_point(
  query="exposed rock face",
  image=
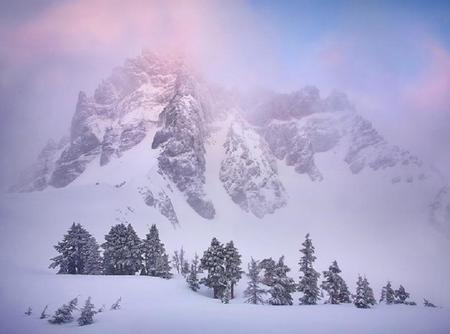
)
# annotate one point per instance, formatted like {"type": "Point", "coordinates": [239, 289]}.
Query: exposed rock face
{"type": "Point", "coordinates": [181, 140]}
{"type": "Point", "coordinates": [151, 96]}
{"type": "Point", "coordinates": [38, 175]}
{"type": "Point", "coordinates": [440, 211]}
{"type": "Point", "coordinates": [249, 172]}
{"type": "Point", "coordinates": [297, 135]}
{"type": "Point", "coordinates": [161, 202]}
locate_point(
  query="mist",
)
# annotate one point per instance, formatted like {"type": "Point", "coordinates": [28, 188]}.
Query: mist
{"type": "Point", "coordinates": [393, 61]}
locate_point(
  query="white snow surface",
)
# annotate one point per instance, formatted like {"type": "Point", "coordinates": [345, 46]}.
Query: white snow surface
{"type": "Point", "coordinates": [356, 219]}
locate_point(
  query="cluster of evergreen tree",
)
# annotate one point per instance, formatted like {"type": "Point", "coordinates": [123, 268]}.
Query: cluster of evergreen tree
{"type": "Point", "coordinates": [222, 264]}
{"type": "Point", "coordinates": [391, 296]}
{"type": "Point", "coordinates": [124, 253]}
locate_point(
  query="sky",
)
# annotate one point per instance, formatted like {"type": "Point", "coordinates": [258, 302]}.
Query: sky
{"type": "Point", "coordinates": [392, 58]}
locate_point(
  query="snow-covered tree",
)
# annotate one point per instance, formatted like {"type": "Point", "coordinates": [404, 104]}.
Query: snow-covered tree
{"type": "Point", "coordinates": [254, 292]}
{"type": "Point", "coordinates": [360, 299]}
{"type": "Point", "coordinates": [156, 261]}
{"type": "Point", "coordinates": [370, 298]}
{"type": "Point", "coordinates": [427, 303]}
{"type": "Point", "coordinates": [226, 295]}
{"type": "Point", "coordinates": [283, 286]}
{"type": "Point", "coordinates": [387, 294]}
{"type": "Point", "coordinates": [123, 254]}
{"type": "Point", "coordinates": [233, 271]}
{"type": "Point", "coordinates": [192, 279]}
{"type": "Point", "coordinates": [93, 263]}
{"type": "Point", "coordinates": [401, 296]}
{"type": "Point", "coordinates": [309, 277]}
{"type": "Point", "coordinates": [116, 305]}
{"type": "Point", "coordinates": [176, 261]}
{"type": "Point", "coordinates": [64, 313]}
{"type": "Point", "coordinates": [335, 285]}
{"type": "Point", "coordinates": [78, 253]}
{"type": "Point", "coordinates": [29, 311]}
{"type": "Point", "coordinates": [267, 266]}
{"type": "Point", "coordinates": [44, 313]}
{"type": "Point", "coordinates": [185, 269]}
{"type": "Point", "coordinates": [213, 262]}
{"type": "Point", "coordinates": [181, 264]}
{"type": "Point", "coordinates": [87, 313]}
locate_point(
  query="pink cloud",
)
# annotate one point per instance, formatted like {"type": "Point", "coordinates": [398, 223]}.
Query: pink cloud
{"type": "Point", "coordinates": [431, 90]}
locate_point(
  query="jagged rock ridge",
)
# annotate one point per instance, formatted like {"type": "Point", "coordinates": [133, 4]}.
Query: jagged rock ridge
{"type": "Point", "coordinates": [162, 98]}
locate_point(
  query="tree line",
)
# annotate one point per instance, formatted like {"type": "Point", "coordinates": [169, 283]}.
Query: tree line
{"type": "Point", "coordinates": [219, 269]}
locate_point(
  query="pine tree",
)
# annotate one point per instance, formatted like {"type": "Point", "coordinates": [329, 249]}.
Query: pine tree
{"type": "Point", "coordinates": [401, 295]}
{"type": "Point", "coordinates": [226, 295]}
{"type": "Point", "coordinates": [156, 262]}
{"type": "Point", "coordinates": [29, 311]}
{"type": "Point", "coordinates": [233, 271]}
{"type": "Point", "coordinates": [283, 286]}
{"type": "Point", "coordinates": [64, 313]}
{"type": "Point", "coordinates": [93, 261]}
{"type": "Point", "coordinates": [192, 278]}
{"type": "Point", "coordinates": [369, 296]}
{"type": "Point", "coordinates": [185, 269]}
{"type": "Point", "coordinates": [268, 267]}
{"type": "Point", "coordinates": [308, 280]}
{"type": "Point", "coordinates": [176, 261]}
{"type": "Point", "coordinates": [254, 293]}
{"type": "Point", "coordinates": [44, 313]}
{"type": "Point", "coordinates": [427, 303]}
{"type": "Point", "coordinates": [387, 294]}
{"type": "Point", "coordinates": [116, 304]}
{"type": "Point", "coordinates": [122, 254]}
{"type": "Point", "coordinates": [335, 285]}
{"type": "Point", "coordinates": [360, 299]}
{"type": "Point", "coordinates": [78, 253]}
{"type": "Point", "coordinates": [87, 313]}
{"type": "Point", "coordinates": [213, 262]}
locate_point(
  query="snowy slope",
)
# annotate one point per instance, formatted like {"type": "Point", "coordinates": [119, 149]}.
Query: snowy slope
{"type": "Point", "coordinates": [305, 164]}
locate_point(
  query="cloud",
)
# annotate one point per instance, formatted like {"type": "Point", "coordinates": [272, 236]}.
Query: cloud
{"type": "Point", "coordinates": [430, 91]}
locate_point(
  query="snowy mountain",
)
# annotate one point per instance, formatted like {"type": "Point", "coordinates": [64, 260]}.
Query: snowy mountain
{"type": "Point", "coordinates": [156, 144]}
{"type": "Point", "coordinates": [164, 101]}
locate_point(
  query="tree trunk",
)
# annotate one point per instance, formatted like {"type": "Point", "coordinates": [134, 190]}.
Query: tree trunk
{"type": "Point", "coordinates": [232, 290]}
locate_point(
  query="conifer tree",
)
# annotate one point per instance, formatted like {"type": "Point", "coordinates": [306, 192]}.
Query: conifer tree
{"type": "Point", "coordinates": [335, 285]}
{"type": "Point", "coordinates": [427, 303]}
{"type": "Point", "coordinates": [87, 313]}
{"type": "Point", "coordinates": [226, 295]}
{"type": "Point", "coordinates": [78, 253]}
{"type": "Point", "coordinates": [64, 313]}
{"type": "Point", "coordinates": [156, 262]}
{"type": "Point", "coordinates": [233, 271]}
{"type": "Point", "coordinates": [93, 264]}
{"type": "Point", "coordinates": [268, 267]}
{"type": "Point", "coordinates": [254, 292]}
{"type": "Point", "coordinates": [185, 269]}
{"type": "Point", "coordinates": [192, 279]}
{"type": "Point", "coordinates": [369, 296]}
{"type": "Point", "coordinates": [213, 262]}
{"type": "Point", "coordinates": [29, 311]}
{"type": "Point", "coordinates": [360, 299]}
{"type": "Point", "coordinates": [176, 261]}
{"type": "Point", "coordinates": [123, 255]}
{"type": "Point", "coordinates": [283, 286]}
{"type": "Point", "coordinates": [116, 304]}
{"type": "Point", "coordinates": [387, 294]}
{"type": "Point", "coordinates": [44, 313]}
{"type": "Point", "coordinates": [308, 280]}
{"type": "Point", "coordinates": [401, 295]}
